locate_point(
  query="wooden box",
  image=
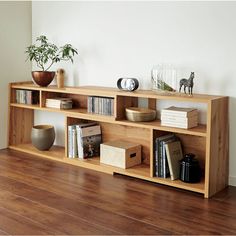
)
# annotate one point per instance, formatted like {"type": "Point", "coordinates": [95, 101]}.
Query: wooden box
{"type": "Point", "coordinates": [120, 154]}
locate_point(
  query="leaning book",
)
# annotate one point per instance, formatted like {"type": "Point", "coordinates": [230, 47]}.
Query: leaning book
{"type": "Point", "coordinates": [174, 155]}
{"type": "Point", "coordinates": [89, 139]}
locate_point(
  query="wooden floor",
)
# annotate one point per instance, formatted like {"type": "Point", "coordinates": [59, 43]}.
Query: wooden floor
{"type": "Point", "coordinates": [40, 196]}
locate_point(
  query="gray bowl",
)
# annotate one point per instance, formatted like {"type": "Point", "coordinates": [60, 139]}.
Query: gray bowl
{"type": "Point", "coordinates": [43, 136]}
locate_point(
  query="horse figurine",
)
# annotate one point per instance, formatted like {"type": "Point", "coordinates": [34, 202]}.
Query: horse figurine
{"type": "Point", "coordinates": [187, 83]}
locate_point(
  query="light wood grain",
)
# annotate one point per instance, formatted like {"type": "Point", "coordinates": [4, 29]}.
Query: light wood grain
{"type": "Point", "coordinates": [218, 146]}
{"type": "Point", "coordinates": [209, 142]}
{"type": "Point", "coordinates": [108, 91]}
{"type": "Point", "coordinates": [21, 123]}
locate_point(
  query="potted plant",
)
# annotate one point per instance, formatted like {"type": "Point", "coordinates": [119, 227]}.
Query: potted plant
{"type": "Point", "coordinates": [45, 55]}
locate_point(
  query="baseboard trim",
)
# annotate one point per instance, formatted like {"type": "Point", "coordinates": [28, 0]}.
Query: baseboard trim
{"type": "Point", "coordinates": [232, 181]}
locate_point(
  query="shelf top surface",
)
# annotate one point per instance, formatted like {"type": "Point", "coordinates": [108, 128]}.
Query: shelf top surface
{"type": "Point", "coordinates": [112, 92]}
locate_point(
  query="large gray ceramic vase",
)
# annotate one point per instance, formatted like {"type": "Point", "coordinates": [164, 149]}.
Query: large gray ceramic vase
{"type": "Point", "coordinates": [43, 136]}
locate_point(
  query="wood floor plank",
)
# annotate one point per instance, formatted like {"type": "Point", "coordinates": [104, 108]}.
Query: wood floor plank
{"type": "Point", "coordinates": [48, 216]}
{"type": "Point", "coordinates": [114, 204]}
{"type": "Point", "coordinates": [15, 224]}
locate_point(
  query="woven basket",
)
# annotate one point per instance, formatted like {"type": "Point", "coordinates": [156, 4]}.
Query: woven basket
{"type": "Point", "coordinates": [140, 114]}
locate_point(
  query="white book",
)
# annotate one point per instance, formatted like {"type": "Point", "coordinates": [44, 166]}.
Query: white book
{"type": "Point", "coordinates": [179, 111]}
{"type": "Point", "coordinates": [72, 141]}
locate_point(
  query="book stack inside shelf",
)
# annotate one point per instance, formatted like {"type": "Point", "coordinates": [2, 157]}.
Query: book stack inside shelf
{"type": "Point", "coordinates": [167, 156]}
{"type": "Point", "coordinates": [179, 117]}
{"type": "Point", "coordinates": [27, 97]}
{"type": "Point", "coordinates": [59, 103]}
{"type": "Point", "coordinates": [101, 105]}
{"type": "Point", "coordinates": [84, 140]}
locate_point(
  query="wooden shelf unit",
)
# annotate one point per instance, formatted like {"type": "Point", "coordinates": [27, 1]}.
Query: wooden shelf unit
{"type": "Point", "coordinates": [210, 142]}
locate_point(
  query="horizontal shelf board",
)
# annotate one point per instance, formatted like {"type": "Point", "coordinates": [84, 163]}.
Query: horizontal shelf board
{"type": "Point", "coordinates": [112, 92]}
{"type": "Point", "coordinates": [137, 173]}
{"type": "Point", "coordinates": [75, 112]}
{"type": "Point", "coordinates": [55, 152]}
{"type": "Point", "coordinates": [200, 130]}
{"type": "Point", "coordinates": [142, 171]}
{"type": "Point", "coordinates": [195, 187]}
{"type": "Point", "coordinates": [82, 113]}
{"type": "Point", "coordinates": [29, 106]}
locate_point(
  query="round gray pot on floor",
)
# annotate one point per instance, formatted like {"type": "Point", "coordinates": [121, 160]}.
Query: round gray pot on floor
{"type": "Point", "coordinates": [43, 136]}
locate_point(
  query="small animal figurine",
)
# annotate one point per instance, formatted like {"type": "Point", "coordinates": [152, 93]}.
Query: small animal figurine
{"type": "Point", "coordinates": [187, 83]}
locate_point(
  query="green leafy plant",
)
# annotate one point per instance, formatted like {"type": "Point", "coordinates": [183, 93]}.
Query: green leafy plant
{"type": "Point", "coordinates": [46, 54]}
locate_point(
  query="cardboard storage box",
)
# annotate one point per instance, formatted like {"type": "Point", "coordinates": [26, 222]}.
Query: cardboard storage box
{"type": "Point", "coordinates": [120, 154]}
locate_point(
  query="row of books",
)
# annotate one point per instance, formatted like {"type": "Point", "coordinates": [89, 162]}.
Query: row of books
{"type": "Point", "coordinates": [179, 117]}
{"type": "Point", "coordinates": [167, 153]}
{"type": "Point", "coordinates": [84, 140]}
{"type": "Point", "coordinates": [27, 97]}
{"type": "Point", "coordinates": [59, 103]}
{"type": "Point", "coordinates": [101, 105]}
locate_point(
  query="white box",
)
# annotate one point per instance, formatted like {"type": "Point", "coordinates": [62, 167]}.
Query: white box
{"type": "Point", "coordinates": [120, 153]}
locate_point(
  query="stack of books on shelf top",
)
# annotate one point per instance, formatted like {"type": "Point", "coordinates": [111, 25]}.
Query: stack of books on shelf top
{"type": "Point", "coordinates": [27, 97]}
{"type": "Point", "coordinates": [59, 103]}
{"type": "Point", "coordinates": [101, 105]}
{"type": "Point", "coordinates": [84, 140]}
{"type": "Point", "coordinates": [167, 153]}
{"type": "Point", "coordinates": [179, 117]}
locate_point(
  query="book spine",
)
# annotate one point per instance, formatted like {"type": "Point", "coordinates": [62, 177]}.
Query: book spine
{"type": "Point", "coordinates": [17, 96]}
{"type": "Point", "coordinates": [70, 141]}
{"type": "Point", "coordinates": [74, 143]}
{"type": "Point", "coordinates": [156, 157]}
{"type": "Point", "coordinates": [79, 142]}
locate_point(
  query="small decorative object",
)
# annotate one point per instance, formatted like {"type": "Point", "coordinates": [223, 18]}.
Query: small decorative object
{"type": "Point", "coordinates": [129, 84]}
{"type": "Point", "coordinates": [190, 171]}
{"type": "Point", "coordinates": [163, 78]}
{"type": "Point", "coordinates": [60, 75]}
{"type": "Point", "coordinates": [45, 55]}
{"type": "Point", "coordinates": [187, 83]}
{"type": "Point", "coordinates": [120, 153]}
{"type": "Point", "coordinates": [140, 114]}
{"type": "Point", "coordinates": [43, 136]}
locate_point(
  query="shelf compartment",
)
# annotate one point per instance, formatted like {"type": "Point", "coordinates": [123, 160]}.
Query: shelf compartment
{"type": "Point", "coordinates": [25, 96]}
{"type": "Point", "coordinates": [112, 132]}
{"type": "Point", "coordinates": [79, 101]}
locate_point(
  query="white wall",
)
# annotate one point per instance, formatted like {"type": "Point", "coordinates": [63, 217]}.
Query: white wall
{"type": "Point", "coordinates": [127, 38]}
{"type": "Point", "coordinates": [15, 35]}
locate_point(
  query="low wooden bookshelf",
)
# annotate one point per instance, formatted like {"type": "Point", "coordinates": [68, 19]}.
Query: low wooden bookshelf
{"type": "Point", "coordinates": [209, 141]}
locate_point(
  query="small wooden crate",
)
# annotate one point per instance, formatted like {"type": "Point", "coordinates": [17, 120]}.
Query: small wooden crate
{"type": "Point", "coordinates": [120, 154]}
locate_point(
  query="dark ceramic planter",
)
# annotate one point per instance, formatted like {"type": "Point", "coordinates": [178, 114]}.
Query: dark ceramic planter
{"type": "Point", "coordinates": [43, 136]}
{"type": "Point", "coordinates": [43, 78]}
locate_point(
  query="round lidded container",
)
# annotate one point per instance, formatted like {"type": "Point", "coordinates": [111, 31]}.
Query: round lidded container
{"type": "Point", "coordinates": [190, 171]}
